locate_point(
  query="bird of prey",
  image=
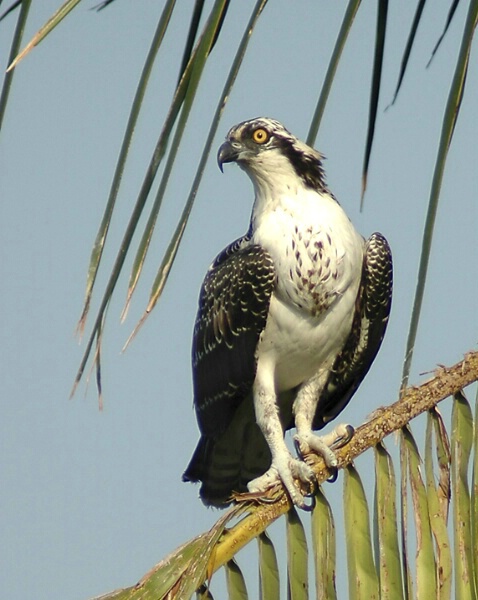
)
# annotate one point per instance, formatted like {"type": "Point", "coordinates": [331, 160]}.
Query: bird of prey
{"type": "Point", "coordinates": [291, 316]}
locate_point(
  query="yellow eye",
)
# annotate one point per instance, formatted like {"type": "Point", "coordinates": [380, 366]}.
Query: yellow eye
{"type": "Point", "coordinates": [260, 136]}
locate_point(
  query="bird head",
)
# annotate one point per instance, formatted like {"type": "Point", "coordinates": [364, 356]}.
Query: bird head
{"type": "Point", "coordinates": [264, 146]}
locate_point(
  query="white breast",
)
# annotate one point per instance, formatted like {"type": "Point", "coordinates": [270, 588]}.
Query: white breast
{"type": "Point", "coordinates": [318, 258]}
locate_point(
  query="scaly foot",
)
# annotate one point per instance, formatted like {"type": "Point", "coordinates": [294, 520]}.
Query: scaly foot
{"type": "Point", "coordinates": [284, 469]}
{"type": "Point", "coordinates": [324, 445]}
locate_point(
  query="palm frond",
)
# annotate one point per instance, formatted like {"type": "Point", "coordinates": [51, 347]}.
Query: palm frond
{"type": "Point", "coordinates": [158, 154]}
{"type": "Point", "coordinates": [387, 555]}
{"type": "Point", "coordinates": [194, 563]}
{"type": "Point", "coordinates": [474, 492]}
{"type": "Point", "coordinates": [406, 562]}
{"type": "Point", "coordinates": [192, 35]}
{"type": "Point", "coordinates": [9, 10]}
{"type": "Point", "coordinates": [16, 41]}
{"type": "Point", "coordinates": [172, 249]}
{"type": "Point", "coordinates": [438, 497]}
{"type": "Point", "coordinates": [269, 579]}
{"type": "Point", "coordinates": [451, 115]}
{"type": "Point", "coordinates": [52, 22]}
{"type": "Point", "coordinates": [408, 48]}
{"type": "Point", "coordinates": [103, 5]}
{"type": "Point", "coordinates": [198, 61]}
{"type": "Point", "coordinates": [425, 559]}
{"type": "Point", "coordinates": [451, 14]}
{"type": "Point", "coordinates": [362, 576]}
{"type": "Point", "coordinates": [462, 441]}
{"type": "Point", "coordinates": [435, 554]}
{"type": "Point", "coordinates": [297, 558]}
{"type": "Point", "coordinates": [347, 22]}
{"type": "Point", "coordinates": [236, 586]}
{"type": "Point", "coordinates": [323, 539]}
{"type": "Point", "coordinates": [183, 99]}
{"type": "Point", "coordinates": [382, 13]}
{"type": "Point", "coordinates": [102, 234]}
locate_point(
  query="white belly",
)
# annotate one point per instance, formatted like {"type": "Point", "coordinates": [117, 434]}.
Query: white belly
{"type": "Point", "coordinates": [294, 348]}
{"type": "Point", "coordinates": [318, 259]}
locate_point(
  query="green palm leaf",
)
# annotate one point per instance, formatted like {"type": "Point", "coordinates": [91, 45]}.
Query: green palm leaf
{"type": "Point", "coordinates": [158, 154]}
{"type": "Point", "coordinates": [474, 493]}
{"type": "Point", "coordinates": [16, 41]}
{"type": "Point", "coordinates": [189, 567]}
{"type": "Point", "coordinates": [185, 93]}
{"type": "Point", "coordinates": [323, 539]}
{"type": "Point", "coordinates": [297, 558]}
{"type": "Point", "coordinates": [425, 559]}
{"type": "Point", "coordinates": [52, 22]}
{"type": "Point", "coordinates": [375, 89]}
{"type": "Point", "coordinates": [197, 61]}
{"type": "Point", "coordinates": [387, 555]}
{"type": "Point", "coordinates": [435, 554]}
{"type": "Point", "coordinates": [269, 579]}
{"type": "Point", "coordinates": [461, 445]}
{"type": "Point", "coordinates": [362, 575]}
{"type": "Point", "coordinates": [451, 115]}
{"type": "Point", "coordinates": [101, 236]}
{"type": "Point", "coordinates": [438, 499]}
{"type": "Point", "coordinates": [409, 46]}
{"type": "Point", "coordinates": [173, 246]}
{"type": "Point", "coordinates": [236, 586]}
{"type": "Point", "coordinates": [343, 34]}
{"type": "Point", "coordinates": [451, 14]}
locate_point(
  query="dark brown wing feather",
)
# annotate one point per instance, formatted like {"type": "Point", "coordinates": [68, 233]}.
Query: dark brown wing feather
{"type": "Point", "coordinates": [368, 328]}
{"type": "Point", "coordinates": [233, 308]}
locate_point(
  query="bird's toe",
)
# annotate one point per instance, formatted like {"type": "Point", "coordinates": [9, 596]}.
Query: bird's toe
{"type": "Point", "coordinates": [311, 442]}
{"type": "Point", "coordinates": [286, 470]}
{"type": "Point", "coordinates": [341, 435]}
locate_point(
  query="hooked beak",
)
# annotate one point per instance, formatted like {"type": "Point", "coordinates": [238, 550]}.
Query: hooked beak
{"type": "Point", "coordinates": [227, 153]}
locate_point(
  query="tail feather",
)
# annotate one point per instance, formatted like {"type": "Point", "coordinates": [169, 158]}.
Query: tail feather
{"type": "Point", "coordinates": [226, 463]}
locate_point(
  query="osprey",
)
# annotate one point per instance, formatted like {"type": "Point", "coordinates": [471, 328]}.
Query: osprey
{"type": "Point", "coordinates": [291, 316]}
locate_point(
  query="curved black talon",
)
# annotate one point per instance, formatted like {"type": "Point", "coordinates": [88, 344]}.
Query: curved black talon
{"type": "Point", "coordinates": [333, 477]}
{"type": "Point", "coordinates": [340, 441]}
{"type": "Point", "coordinates": [314, 487]}
{"type": "Point", "coordinates": [309, 507]}
{"type": "Point", "coordinates": [298, 450]}
{"type": "Point", "coordinates": [350, 433]}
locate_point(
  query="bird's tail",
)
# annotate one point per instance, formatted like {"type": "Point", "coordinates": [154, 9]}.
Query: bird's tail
{"type": "Point", "coordinates": [226, 463]}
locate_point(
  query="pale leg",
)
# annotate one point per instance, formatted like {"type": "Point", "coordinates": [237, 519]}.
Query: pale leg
{"type": "Point", "coordinates": [304, 409]}
{"type": "Point", "coordinates": [284, 467]}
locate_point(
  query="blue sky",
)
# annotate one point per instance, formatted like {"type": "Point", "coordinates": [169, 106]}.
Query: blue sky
{"type": "Point", "coordinates": [91, 500]}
